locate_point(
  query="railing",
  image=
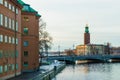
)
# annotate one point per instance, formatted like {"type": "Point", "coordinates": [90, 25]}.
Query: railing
{"type": "Point", "coordinates": [84, 57]}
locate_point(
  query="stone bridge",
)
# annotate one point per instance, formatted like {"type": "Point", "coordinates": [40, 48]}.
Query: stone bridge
{"type": "Point", "coordinates": [73, 58]}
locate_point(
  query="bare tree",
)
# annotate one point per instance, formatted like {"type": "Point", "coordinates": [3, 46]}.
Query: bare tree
{"type": "Point", "coordinates": [45, 40]}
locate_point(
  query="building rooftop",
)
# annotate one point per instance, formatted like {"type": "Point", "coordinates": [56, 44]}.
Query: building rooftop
{"type": "Point", "coordinates": [27, 8]}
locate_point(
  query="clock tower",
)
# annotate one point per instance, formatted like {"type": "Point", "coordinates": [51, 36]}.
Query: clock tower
{"type": "Point", "coordinates": [86, 35]}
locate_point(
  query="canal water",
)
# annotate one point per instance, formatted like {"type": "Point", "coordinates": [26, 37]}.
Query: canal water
{"type": "Point", "coordinates": [94, 71]}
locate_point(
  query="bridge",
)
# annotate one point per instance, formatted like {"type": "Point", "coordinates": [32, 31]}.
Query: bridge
{"type": "Point", "coordinates": [73, 58]}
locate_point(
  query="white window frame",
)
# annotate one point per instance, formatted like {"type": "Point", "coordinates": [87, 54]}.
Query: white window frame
{"type": "Point", "coordinates": [10, 6]}
{"type": "Point", "coordinates": [13, 40]}
{"type": "Point", "coordinates": [1, 19]}
{"type": "Point", "coordinates": [9, 39]}
{"type": "Point", "coordinates": [13, 25]}
{"type": "Point", "coordinates": [10, 26]}
{"type": "Point", "coordinates": [6, 39]}
{"type": "Point", "coordinates": [16, 26]}
{"type": "Point", "coordinates": [13, 8]}
{"type": "Point", "coordinates": [1, 38]}
{"type": "Point", "coordinates": [16, 10]}
{"type": "Point", "coordinates": [5, 3]}
{"type": "Point", "coordinates": [6, 21]}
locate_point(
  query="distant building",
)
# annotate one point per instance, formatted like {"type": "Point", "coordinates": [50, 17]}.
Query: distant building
{"type": "Point", "coordinates": [115, 50]}
{"type": "Point", "coordinates": [92, 49]}
{"type": "Point", "coordinates": [88, 48]}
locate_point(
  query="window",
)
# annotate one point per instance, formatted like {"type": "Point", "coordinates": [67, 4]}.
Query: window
{"type": "Point", "coordinates": [1, 19]}
{"type": "Point", "coordinates": [16, 66]}
{"type": "Point", "coordinates": [10, 7]}
{"type": "Point", "coordinates": [13, 25]}
{"type": "Point", "coordinates": [13, 8]}
{"type": "Point", "coordinates": [13, 40]}
{"type": "Point", "coordinates": [13, 66]}
{"type": "Point", "coordinates": [16, 10]}
{"type": "Point", "coordinates": [1, 38]}
{"type": "Point", "coordinates": [16, 54]}
{"type": "Point", "coordinates": [6, 4]}
{"type": "Point", "coordinates": [13, 54]}
{"type": "Point", "coordinates": [26, 19]}
{"type": "Point", "coordinates": [25, 53]}
{"type": "Point", "coordinates": [6, 39]}
{"type": "Point", "coordinates": [1, 53]}
{"type": "Point", "coordinates": [9, 39]}
{"type": "Point", "coordinates": [25, 43]}
{"type": "Point", "coordinates": [6, 21]}
{"type": "Point", "coordinates": [1, 69]}
{"type": "Point", "coordinates": [9, 23]}
{"type": "Point", "coordinates": [5, 68]}
{"type": "Point", "coordinates": [16, 41]}
{"type": "Point", "coordinates": [26, 7]}
{"type": "Point", "coordinates": [1, 1]}
{"type": "Point", "coordinates": [25, 64]}
{"type": "Point", "coordinates": [25, 30]}
{"type": "Point", "coordinates": [16, 26]}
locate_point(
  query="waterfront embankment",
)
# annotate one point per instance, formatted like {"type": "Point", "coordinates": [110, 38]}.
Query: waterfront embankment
{"type": "Point", "coordinates": [46, 72]}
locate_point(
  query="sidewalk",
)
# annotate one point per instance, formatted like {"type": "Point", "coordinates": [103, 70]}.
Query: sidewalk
{"type": "Point", "coordinates": [29, 76]}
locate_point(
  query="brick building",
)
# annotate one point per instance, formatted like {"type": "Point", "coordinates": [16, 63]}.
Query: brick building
{"type": "Point", "coordinates": [10, 39]}
{"type": "Point", "coordinates": [30, 38]}
{"type": "Point", "coordinates": [18, 38]}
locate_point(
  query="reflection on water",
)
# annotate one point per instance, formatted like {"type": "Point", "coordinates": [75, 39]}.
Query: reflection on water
{"type": "Point", "coordinates": [100, 71]}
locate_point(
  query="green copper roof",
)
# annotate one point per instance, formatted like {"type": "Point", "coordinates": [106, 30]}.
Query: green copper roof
{"type": "Point", "coordinates": [27, 8]}
{"type": "Point", "coordinates": [86, 29]}
{"type": "Point", "coordinates": [20, 2]}
{"type": "Point", "coordinates": [38, 15]}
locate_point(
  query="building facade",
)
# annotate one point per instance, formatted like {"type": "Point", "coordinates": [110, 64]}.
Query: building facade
{"type": "Point", "coordinates": [92, 49]}
{"type": "Point", "coordinates": [30, 39]}
{"type": "Point", "coordinates": [10, 38]}
{"type": "Point", "coordinates": [19, 38]}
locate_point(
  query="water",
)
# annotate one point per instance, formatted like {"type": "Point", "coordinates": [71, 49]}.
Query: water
{"type": "Point", "coordinates": [97, 71]}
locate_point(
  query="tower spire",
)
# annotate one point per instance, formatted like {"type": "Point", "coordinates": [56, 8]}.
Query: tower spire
{"type": "Point", "coordinates": [86, 35]}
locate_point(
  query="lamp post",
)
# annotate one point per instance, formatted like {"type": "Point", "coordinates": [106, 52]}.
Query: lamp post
{"type": "Point", "coordinates": [59, 50]}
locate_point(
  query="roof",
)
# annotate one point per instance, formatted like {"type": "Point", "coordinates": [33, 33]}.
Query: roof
{"type": "Point", "coordinates": [27, 8]}
{"type": "Point", "coordinates": [20, 2]}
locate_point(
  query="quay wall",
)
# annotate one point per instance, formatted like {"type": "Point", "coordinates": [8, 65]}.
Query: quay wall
{"type": "Point", "coordinates": [50, 74]}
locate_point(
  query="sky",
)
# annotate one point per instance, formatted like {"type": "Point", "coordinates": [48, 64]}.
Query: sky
{"type": "Point", "coordinates": [66, 20]}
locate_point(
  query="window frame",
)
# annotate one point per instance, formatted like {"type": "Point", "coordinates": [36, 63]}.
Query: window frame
{"type": "Point", "coordinates": [26, 30]}
{"type": "Point", "coordinates": [26, 43]}
{"type": "Point", "coordinates": [1, 19]}
{"type": "Point", "coordinates": [1, 38]}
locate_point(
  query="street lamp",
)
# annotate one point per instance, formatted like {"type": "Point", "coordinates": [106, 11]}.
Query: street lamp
{"type": "Point", "coordinates": [59, 50]}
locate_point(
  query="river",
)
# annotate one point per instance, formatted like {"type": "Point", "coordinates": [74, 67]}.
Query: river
{"type": "Point", "coordinates": [94, 71]}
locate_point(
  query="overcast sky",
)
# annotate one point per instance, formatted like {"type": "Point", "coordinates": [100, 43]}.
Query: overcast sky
{"type": "Point", "coordinates": [66, 20]}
